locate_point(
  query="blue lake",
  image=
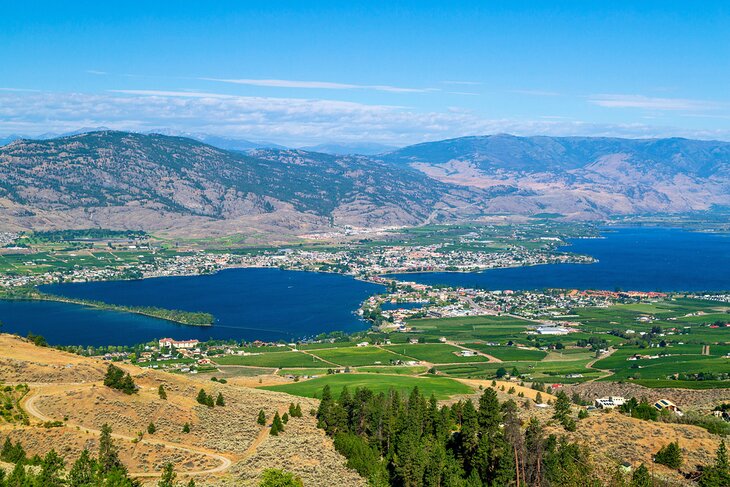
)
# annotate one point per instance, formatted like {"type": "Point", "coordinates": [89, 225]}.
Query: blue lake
{"type": "Point", "coordinates": [263, 304]}
{"type": "Point", "coordinates": [640, 259]}
{"type": "Point", "coordinates": [271, 304]}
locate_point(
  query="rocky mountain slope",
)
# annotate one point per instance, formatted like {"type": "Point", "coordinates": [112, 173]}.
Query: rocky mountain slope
{"type": "Point", "coordinates": [157, 182]}
{"type": "Point", "coordinates": [582, 177]}
{"type": "Point", "coordinates": [180, 185]}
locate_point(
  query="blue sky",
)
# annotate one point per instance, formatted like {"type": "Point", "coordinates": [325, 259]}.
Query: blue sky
{"type": "Point", "coordinates": [392, 72]}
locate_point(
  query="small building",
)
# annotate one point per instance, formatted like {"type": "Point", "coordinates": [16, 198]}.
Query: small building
{"type": "Point", "coordinates": [468, 353]}
{"type": "Point", "coordinates": [610, 402]}
{"type": "Point", "coordinates": [413, 341]}
{"type": "Point", "coordinates": [662, 404]}
{"type": "Point", "coordinates": [363, 344]}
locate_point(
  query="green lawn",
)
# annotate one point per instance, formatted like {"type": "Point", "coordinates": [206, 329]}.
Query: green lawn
{"type": "Point", "coordinates": [441, 387]}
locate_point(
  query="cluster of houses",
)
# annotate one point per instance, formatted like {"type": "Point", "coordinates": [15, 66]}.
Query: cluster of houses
{"type": "Point", "coordinates": [613, 402]}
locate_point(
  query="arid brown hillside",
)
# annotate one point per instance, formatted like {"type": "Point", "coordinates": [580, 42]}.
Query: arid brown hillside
{"type": "Point", "coordinates": [157, 182]}
{"type": "Point", "coordinates": [580, 177]}
{"type": "Point", "coordinates": [224, 447]}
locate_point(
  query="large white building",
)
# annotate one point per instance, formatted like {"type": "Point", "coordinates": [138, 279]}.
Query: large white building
{"type": "Point", "coordinates": [552, 330]}
{"type": "Point", "coordinates": [609, 402]}
{"type": "Point", "coordinates": [169, 342]}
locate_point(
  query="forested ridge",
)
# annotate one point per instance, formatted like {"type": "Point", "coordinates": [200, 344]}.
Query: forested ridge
{"type": "Point", "coordinates": [393, 440]}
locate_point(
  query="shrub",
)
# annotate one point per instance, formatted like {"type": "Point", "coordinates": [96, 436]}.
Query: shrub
{"type": "Point", "coordinates": [262, 418]}
{"type": "Point", "coordinates": [274, 477]}
{"type": "Point", "coordinates": [151, 428]}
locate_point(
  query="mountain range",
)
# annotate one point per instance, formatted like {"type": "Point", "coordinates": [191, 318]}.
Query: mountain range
{"type": "Point", "coordinates": [184, 186]}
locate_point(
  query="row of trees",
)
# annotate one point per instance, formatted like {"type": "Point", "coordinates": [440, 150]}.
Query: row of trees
{"type": "Point", "coordinates": [207, 399]}
{"type": "Point", "coordinates": [411, 441]}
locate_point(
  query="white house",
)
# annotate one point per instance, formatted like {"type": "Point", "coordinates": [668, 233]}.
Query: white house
{"type": "Point", "coordinates": [609, 402]}
{"type": "Point", "coordinates": [169, 342]}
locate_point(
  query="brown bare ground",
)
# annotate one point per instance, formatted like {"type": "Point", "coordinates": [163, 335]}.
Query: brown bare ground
{"type": "Point", "coordinates": [69, 388]}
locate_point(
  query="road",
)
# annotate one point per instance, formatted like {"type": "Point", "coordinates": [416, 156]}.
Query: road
{"type": "Point", "coordinates": [606, 373]}
{"type": "Point", "coordinates": [225, 462]}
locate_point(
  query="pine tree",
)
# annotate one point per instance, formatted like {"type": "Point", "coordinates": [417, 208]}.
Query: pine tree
{"type": "Point", "coordinates": [161, 392]}
{"type": "Point", "coordinates": [669, 455]}
{"type": "Point", "coordinates": [276, 425]}
{"type": "Point", "coordinates": [538, 398]}
{"type": "Point", "coordinates": [641, 477]}
{"type": "Point", "coordinates": [17, 477]}
{"type": "Point", "coordinates": [285, 418]}
{"type": "Point", "coordinates": [108, 454]}
{"type": "Point", "coordinates": [262, 418]}
{"type": "Point", "coordinates": [51, 470]}
{"type": "Point", "coordinates": [717, 475]}
{"type": "Point", "coordinates": [562, 408]}
{"type": "Point", "coordinates": [202, 397]}
{"type": "Point", "coordinates": [151, 428]}
{"type": "Point", "coordinates": [186, 428]}
{"type": "Point", "coordinates": [219, 401]}
{"type": "Point", "coordinates": [168, 476]}
{"type": "Point", "coordinates": [82, 472]}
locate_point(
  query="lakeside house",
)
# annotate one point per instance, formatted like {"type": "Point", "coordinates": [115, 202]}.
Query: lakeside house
{"type": "Point", "coordinates": [185, 344]}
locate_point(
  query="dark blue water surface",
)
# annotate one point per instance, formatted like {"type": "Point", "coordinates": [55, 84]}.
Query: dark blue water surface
{"type": "Point", "coordinates": [263, 304]}
{"type": "Point", "coordinates": [640, 259]}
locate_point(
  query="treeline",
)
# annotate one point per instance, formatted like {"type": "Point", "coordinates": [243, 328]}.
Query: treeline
{"type": "Point", "coordinates": [412, 442]}
{"type": "Point", "coordinates": [192, 318]}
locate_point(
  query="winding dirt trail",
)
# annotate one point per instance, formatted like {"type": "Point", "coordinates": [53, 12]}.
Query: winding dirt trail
{"type": "Point", "coordinates": [606, 372]}
{"type": "Point", "coordinates": [30, 407]}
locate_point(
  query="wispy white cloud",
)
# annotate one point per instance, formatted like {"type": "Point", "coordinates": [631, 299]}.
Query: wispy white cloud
{"type": "Point", "coordinates": [20, 90]}
{"type": "Point", "coordinates": [96, 72]}
{"type": "Point", "coordinates": [652, 103]}
{"type": "Point", "coordinates": [290, 121]}
{"type": "Point", "coordinates": [321, 85]}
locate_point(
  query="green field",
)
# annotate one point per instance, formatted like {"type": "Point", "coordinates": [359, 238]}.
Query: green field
{"type": "Point", "coordinates": [441, 387]}
{"type": "Point", "coordinates": [273, 359]}
{"type": "Point", "coordinates": [358, 356]}
{"type": "Point", "coordinates": [436, 353]}
{"type": "Point", "coordinates": [509, 353]}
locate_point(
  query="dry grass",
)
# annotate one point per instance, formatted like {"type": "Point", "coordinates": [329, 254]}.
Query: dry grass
{"type": "Point", "coordinates": [613, 438]}
{"type": "Point", "coordinates": [68, 387]}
